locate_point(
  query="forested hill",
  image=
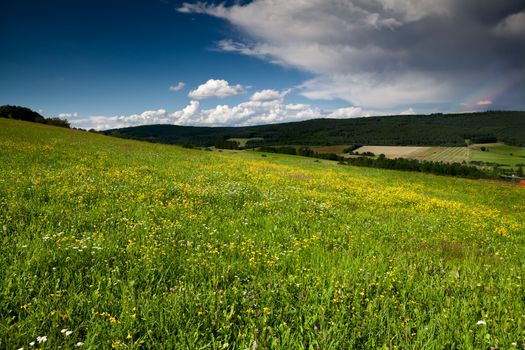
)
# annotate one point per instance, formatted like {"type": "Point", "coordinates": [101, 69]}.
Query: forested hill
{"type": "Point", "coordinates": [435, 129]}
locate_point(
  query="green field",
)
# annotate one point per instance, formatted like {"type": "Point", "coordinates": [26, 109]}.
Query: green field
{"type": "Point", "coordinates": [128, 244]}
{"type": "Point", "coordinates": [499, 154]}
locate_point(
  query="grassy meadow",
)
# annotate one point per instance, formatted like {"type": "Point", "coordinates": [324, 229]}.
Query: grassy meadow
{"type": "Point", "coordinates": [113, 243]}
{"type": "Point", "coordinates": [498, 153]}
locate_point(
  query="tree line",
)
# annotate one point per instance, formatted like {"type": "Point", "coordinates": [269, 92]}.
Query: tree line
{"type": "Point", "coordinates": [28, 115]}
{"type": "Point", "coordinates": [423, 166]}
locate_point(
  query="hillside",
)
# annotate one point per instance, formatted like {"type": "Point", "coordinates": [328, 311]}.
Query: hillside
{"type": "Point", "coordinates": [114, 243]}
{"type": "Point", "coordinates": [438, 129]}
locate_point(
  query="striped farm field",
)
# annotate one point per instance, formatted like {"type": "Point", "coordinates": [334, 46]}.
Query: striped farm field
{"type": "Point", "coordinates": [443, 154]}
{"type": "Point", "coordinates": [436, 154]}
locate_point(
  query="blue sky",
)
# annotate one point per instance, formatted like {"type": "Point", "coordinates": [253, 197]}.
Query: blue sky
{"type": "Point", "coordinates": [111, 63]}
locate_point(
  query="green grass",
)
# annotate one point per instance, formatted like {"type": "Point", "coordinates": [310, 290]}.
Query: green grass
{"type": "Point", "coordinates": [131, 244]}
{"type": "Point", "coordinates": [499, 154]}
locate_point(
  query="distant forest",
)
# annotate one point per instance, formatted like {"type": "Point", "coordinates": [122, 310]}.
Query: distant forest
{"type": "Point", "coordinates": [28, 115]}
{"type": "Point", "coordinates": [421, 130]}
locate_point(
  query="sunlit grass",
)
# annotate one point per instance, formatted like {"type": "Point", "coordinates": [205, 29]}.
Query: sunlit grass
{"type": "Point", "coordinates": [126, 244]}
{"type": "Point", "coordinates": [498, 153]}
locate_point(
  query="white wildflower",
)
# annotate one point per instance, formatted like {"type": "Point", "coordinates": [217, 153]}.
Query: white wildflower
{"type": "Point", "coordinates": [79, 344]}
{"type": "Point", "coordinates": [481, 322]}
{"type": "Point", "coordinates": [41, 339]}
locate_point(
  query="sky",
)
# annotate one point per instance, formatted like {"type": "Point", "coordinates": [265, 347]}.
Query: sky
{"type": "Point", "coordinates": [115, 63]}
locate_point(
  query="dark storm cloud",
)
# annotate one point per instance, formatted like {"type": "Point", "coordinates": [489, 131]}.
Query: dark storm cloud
{"type": "Point", "coordinates": [382, 53]}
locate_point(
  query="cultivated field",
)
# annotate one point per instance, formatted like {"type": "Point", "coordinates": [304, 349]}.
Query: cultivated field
{"type": "Point", "coordinates": [436, 154]}
{"type": "Point", "coordinates": [392, 151]}
{"type": "Point", "coordinates": [112, 243]}
{"type": "Point", "coordinates": [443, 154]}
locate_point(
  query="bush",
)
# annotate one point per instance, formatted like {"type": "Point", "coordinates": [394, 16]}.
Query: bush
{"type": "Point", "coordinates": [57, 122]}
{"type": "Point", "coordinates": [226, 144]}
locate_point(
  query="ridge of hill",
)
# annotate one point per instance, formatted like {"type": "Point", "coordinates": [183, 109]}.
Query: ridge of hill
{"type": "Point", "coordinates": [421, 130]}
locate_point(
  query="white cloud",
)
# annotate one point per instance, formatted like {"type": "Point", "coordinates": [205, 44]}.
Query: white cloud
{"type": "Point", "coordinates": [348, 112]}
{"type": "Point", "coordinates": [377, 92]}
{"type": "Point", "coordinates": [183, 117]}
{"type": "Point", "coordinates": [159, 116]}
{"type": "Point", "coordinates": [263, 107]}
{"type": "Point", "coordinates": [215, 88]}
{"type": "Point", "coordinates": [68, 115]}
{"type": "Point", "coordinates": [409, 111]}
{"type": "Point", "coordinates": [177, 87]}
{"type": "Point", "coordinates": [269, 95]}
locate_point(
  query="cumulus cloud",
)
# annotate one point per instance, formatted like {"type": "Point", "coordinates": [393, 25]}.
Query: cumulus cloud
{"type": "Point", "coordinates": [183, 117]}
{"type": "Point", "coordinates": [409, 51]}
{"type": "Point", "coordinates": [269, 95]}
{"type": "Point", "coordinates": [263, 107]}
{"type": "Point", "coordinates": [349, 112]}
{"type": "Point", "coordinates": [215, 88]}
{"type": "Point", "coordinates": [179, 86]}
{"type": "Point", "coordinates": [68, 115]}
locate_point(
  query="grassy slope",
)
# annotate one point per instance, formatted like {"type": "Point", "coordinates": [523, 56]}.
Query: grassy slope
{"type": "Point", "coordinates": [128, 243]}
